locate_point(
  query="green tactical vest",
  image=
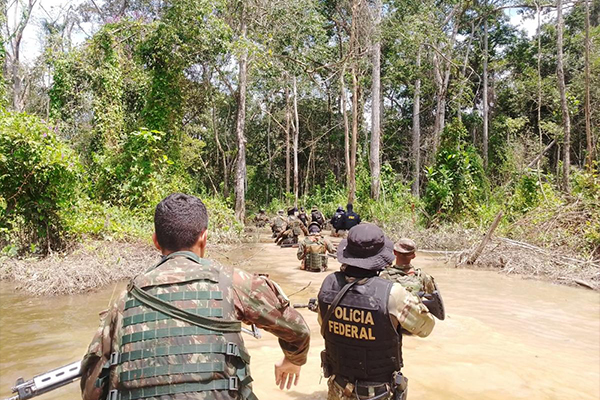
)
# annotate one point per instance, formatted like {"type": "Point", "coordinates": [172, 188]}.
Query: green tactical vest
{"type": "Point", "coordinates": [413, 283]}
{"type": "Point", "coordinates": [315, 258]}
{"type": "Point", "coordinates": [179, 334]}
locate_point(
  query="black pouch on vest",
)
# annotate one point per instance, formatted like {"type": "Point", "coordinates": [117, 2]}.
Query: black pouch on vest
{"type": "Point", "coordinates": [326, 367]}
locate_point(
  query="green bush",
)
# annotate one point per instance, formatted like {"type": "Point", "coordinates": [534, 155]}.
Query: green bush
{"type": "Point", "coordinates": [39, 177]}
{"type": "Point", "coordinates": [140, 174]}
{"type": "Point", "coordinates": [457, 182]}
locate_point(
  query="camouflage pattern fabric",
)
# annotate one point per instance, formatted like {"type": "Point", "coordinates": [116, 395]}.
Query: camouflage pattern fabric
{"type": "Point", "coordinates": [278, 224]}
{"type": "Point", "coordinates": [261, 220]}
{"type": "Point", "coordinates": [256, 300]}
{"type": "Point", "coordinates": [312, 251]}
{"type": "Point", "coordinates": [412, 279]}
{"type": "Point", "coordinates": [296, 226]}
{"type": "Point", "coordinates": [336, 392]}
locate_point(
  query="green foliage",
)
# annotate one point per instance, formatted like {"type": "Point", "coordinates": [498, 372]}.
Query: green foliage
{"type": "Point", "coordinates": [457, 182]}
{"type": "Point", "coordinates": [39, 176]}
{"type": "Point", "coordinates": [140, 174]}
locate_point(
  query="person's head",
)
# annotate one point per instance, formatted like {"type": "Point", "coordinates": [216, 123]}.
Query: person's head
{"type": "Point", "coordinates": [366, 248]}
{"type": "Point", "coordinates": [262, 211]}
{"type": "Point", "coordinates": [404, 250]}
{"type": "Point", "coordinates": [302, 209]}
{"type": "Point", "coordinates": [349, 207]}
{"type": "Point", "coordinates": [314, 228]}
{"type": "Point", "coordinates": [180, 223]}
{"type": "Point", "coordinates": [340, 209]}
{"type": "Point", "coordinates": [314, 208]}
{"type": "Point", "coordinates": [291, 211]}
{"type": "Point", "coordinates": [280, 212]}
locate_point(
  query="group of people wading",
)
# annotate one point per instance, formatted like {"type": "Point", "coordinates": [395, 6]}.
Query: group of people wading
{"type": "Point", "coordinates": [175, 332]}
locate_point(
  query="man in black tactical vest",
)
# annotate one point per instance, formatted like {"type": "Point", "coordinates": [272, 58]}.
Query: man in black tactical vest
{"type": "Point", "coordinates": [361, 318]}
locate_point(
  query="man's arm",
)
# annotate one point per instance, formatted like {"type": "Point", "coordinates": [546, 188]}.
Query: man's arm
{"type": "Point", "coordinates": [260, 301]}
{"type": "Point", "coordinates": [98, 353]}
{"type": "Point", "coordinates": [300, 252]}
{"type": "Point", "coordinates": [410, 312]}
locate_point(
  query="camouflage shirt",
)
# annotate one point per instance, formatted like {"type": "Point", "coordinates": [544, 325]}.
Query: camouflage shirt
{"type": "Point", "coordinates": [256, 300]}
{"type": "Point", "coordinates": [412, 279]}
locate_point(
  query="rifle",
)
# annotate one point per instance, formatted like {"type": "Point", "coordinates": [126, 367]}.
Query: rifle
{"type": "Point", "coordinates": [66, 374]}
{"type": "Point", "coordinates": [46, 382]}
{"type": "Point", "coordinates": [312, 305]}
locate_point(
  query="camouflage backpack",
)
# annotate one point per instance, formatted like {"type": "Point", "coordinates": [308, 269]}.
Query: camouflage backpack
{"type": "Point", "coordinates": [315, 258]}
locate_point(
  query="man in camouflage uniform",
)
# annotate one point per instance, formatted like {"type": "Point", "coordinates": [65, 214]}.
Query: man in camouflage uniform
{"type": "Point", "coordinates": [362, 316]}
{"type": "Point", "coordinates": [317, 216]}
{"type": "Point", "coordinates": [413, 279]}
{"type": "Point", "coordinates": [278, 223]}
{"type": "Point", "coordinates": [313, 250]}
{"type": "Point", "coordinates": [303, 217]}
{"type": "Point", "coordinates": [174, 334]}
{"type": "Point", "coordinates": [293, 229]}
{"type": "Point", "coordinates": [261, 219]}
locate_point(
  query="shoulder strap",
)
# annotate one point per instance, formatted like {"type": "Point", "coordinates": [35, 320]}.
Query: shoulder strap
{"type": "Point", "coordinates": [334, 303]}
{"type": "Point", "coordinates": [215, 324]}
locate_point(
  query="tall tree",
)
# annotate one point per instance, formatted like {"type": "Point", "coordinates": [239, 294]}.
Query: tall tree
{"type": "Point", "coordinates": [14, 36]}
{"type": "Point", "coordinates": [587, 106]}
{"type": "Point", "coordinates": [560, 72]}
{"type": "Point", "coordinates": [416, 128]}
{"type": "Point", "coordinates": [240, 174]}
{"type": "Point", "coordinates": [375, 159]}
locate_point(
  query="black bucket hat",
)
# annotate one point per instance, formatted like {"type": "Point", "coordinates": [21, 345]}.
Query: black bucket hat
{"type": "Point", "coordinates": [366, 247]}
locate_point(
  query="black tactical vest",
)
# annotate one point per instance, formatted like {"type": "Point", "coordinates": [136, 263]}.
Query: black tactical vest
{"type": "Point", "coordinates": [360, 341]}
{"type": "Point", "coordinates": [160, 355]}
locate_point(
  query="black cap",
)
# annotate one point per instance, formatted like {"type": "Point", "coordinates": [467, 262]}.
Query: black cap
{"type": "Point", "coordinates": [366, 247]}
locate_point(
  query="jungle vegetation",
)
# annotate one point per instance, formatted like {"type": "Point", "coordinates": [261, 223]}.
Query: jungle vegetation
{"type": "Point", "coordinates": [435, 113]}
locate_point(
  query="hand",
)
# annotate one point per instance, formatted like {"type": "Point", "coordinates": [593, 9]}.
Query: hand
{"type": "Point", "coordinates": [285, 370]}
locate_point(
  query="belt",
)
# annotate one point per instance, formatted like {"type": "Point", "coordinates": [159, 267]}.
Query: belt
{"type": "Point", "coordinates": [364, 389]}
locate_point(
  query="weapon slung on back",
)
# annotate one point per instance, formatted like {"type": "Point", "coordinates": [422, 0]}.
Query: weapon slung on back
{"type": "Point", "coordinates": [46, 382]}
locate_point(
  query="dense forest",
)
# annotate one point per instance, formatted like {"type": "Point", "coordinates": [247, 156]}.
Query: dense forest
{"type": "Point", "coordinates": [429, 113]}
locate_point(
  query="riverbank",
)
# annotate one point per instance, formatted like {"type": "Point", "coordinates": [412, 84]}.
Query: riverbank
{"type": "Point", "coordinates": [94, 264]}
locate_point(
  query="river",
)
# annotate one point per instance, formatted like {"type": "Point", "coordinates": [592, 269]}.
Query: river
{"type": "Point", "coordinates": [504, 337]}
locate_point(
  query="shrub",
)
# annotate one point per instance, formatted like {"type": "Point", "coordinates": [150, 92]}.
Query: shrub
{"type": "Point", "coordinates": [39, 175]}
{"type": "Point", "coordinates": [457, 181]}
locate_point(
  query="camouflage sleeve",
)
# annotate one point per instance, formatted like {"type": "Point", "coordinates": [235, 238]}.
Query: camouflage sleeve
{"type": "Point", "coordinates": [260, 301]}
{"type": "Point", "coordinates": [428, 283]}
{"type": "Point", "coordinates": [97, 355]}
{"type": "Point", "coordinates": [300, 252]}
{"type": "Point", "coordinates": [410, 312]}
{"type": "Point", "coordinates": [329, 246]}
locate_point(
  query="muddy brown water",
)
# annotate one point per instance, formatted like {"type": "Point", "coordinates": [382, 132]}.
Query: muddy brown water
{"type": "Point", "coordinates": [503, 338]}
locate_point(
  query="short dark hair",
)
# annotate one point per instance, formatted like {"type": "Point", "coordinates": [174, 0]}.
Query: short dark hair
{"type": "Point", "coordinates": [179, 220]}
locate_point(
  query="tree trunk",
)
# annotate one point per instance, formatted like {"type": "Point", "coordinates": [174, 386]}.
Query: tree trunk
{"type": "Point", "coordinates": [563, 97]}
{"type": "Point", "coordinates": [346, 125]}
{"type": "Point", "coordinates": [288, 118]}
{"type": "Point", "coordinates": [416, 129]}
{"type": "Point", "coordinates": [354, 143]}
{"type": "Point", "coordinates": [375, 159]}
{"type": "Point", "coordinates": [485, 93]}
{"type": "Point", "coordinates": [296, 135]}
{"type": "Point", "coordinates": [464, 73]}
{"type": "Point", "coordinates": [223, 155]}
{"type": "Point", "coordinates": [240, 176]}
{"type": "Point", "coordinates": [587, 107]}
